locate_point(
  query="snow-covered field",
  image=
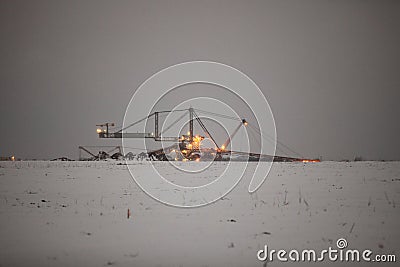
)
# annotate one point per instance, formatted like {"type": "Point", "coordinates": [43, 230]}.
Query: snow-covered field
{"type": "Point", "coordinates": [75, 214]}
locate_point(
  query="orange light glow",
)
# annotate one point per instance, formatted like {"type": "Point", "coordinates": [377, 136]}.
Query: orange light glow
{"type": "Point", "coordinates": [198, 159]}
{"type": "Point", "coordinates": [310, 160]}
{"type": "Point", "coordinates": [99, 130]}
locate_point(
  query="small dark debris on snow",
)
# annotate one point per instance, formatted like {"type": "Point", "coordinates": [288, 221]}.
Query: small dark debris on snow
{"type": "Point", "coordinates": [266, 233]}
{"type": "Point", "coordinates": [231, 245]}
{"type": "Point", "coordinates": [352, 227]}
{"type": "Point", "coordinates": [231, 220]}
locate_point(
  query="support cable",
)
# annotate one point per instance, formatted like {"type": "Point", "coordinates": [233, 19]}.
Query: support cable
{"type": "Point", "coordinates": [262, 133]}
{"type": "Point", "coordinates": [204, 128]}
{"type": "Point", "coordinates": [172, 124]}
{"type": "Point", "coordinates": [218, 115]}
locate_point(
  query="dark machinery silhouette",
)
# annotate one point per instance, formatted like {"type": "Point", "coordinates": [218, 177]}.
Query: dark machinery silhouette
{"type": "Point", "coordinates": [188, 147]}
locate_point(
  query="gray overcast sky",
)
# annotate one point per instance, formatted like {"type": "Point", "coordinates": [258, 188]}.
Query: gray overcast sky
{"type": "Point", "coordinates": [329, 69]}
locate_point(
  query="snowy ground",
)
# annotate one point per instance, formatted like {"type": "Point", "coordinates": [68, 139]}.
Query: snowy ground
{"type": "Point", "coordinates": [75, 214]}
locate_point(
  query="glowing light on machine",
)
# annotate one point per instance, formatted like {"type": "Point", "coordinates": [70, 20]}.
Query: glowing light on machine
{"type": "Point", "coordinates": [310, 160]}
